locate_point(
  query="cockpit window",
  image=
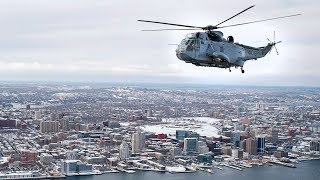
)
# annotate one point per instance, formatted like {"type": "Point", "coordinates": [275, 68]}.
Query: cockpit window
{"type": "Point", "coordinates": [214, 37]}
{"type": "Point", "coordinates": [191, 42]}
{"type": "Point", "coordinates": [191, 35]}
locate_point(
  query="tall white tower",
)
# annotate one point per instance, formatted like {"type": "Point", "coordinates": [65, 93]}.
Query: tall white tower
{"type": "Point", "coordinates": [124, 151]}
{"type": "Point", "coordinates": [138, 141]}
{"type": "Point", "coordinates": [135, 143]}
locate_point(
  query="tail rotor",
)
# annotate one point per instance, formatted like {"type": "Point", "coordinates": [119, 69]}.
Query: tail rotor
{"type": "Point", "coordinates": [273, 43]}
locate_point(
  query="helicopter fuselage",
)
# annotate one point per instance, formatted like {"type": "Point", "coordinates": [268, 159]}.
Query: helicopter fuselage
{"type": "Point", "coordinates": [211, 49]}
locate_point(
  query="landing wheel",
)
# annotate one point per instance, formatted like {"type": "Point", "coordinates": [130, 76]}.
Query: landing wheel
{"type": "Point", "coordinates": [242, 71]}
{"type": "Point", "coordinates": [229, 70]}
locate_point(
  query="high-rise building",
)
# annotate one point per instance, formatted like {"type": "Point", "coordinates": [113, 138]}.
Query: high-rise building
{"type": "Point", "coordinates": [37, 115]}
{"type": "Point", "coordinates": [243, 145]}
{"type": "Point", "coordinates": [65, 123]}
{"type": "Point", "coordinates": [181, 134]}
{"type": "Point", "coordinates": [260, 106]}
{"type": "Point", "coordinates": [251, 146]}
{"type": "Point", "coordinates": [135, 143]}
{"type": "Point", "coordinates": [175, 151]}
{"type": "Point", "coordinates": [261, 143]}
{"type": "Point", "coordinates": [190, 145]}
{"type": "Point", "coordinates": [124, 151]}
{"type": "Point", "coordinates": [49, 126]}
{"type": "Point", "coordinates": [235, 138]}
{"type": "Point", "coordinates": [274, 134]}
{"type": "Point", "coordinates": [237, 153]}
{"type": "Point", "coordinates": [202, 147]}
{"type": "Point", "coordinates": [138, 141]}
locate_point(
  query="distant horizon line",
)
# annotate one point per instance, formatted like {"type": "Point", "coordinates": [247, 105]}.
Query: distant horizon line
{"type": "Point", "coordinates": [144, 84]}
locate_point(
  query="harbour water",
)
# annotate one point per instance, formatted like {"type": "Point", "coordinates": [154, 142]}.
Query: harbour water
{"type": "Point", "coordinates": [306, 170]}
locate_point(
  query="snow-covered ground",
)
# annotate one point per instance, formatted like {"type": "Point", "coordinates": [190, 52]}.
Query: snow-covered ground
{"type": "Point", "coordinates": [202, 125]}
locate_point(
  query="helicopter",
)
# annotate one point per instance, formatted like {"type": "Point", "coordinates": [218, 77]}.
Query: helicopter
{"type": "Point", "coordinates": [209, 48]}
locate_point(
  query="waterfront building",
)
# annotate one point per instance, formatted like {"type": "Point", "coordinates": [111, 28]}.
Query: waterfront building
{"type": "Point", "coordinates": [251, 146]}
{"type": "Point", "coordinates": [237, 153]}
{"type": "Point", "coordinates": [204, 158]}
{"type": "Point", "coordinates": [49, 126]}
{"type": "Point", "coordinates": [69, 167]}
{"type": "Point", "coordinates": [124, 151]}
{"type": "Point", "coordinates": [21, 175]}
{"type": "Point", "coordinates": [280, 154]}
{"type": "Point", "coordinates": [190, 145]}
{"type": "Point", "coordinates": [261, 143]}
{"type": "Point", "coordinates": [315, 145]}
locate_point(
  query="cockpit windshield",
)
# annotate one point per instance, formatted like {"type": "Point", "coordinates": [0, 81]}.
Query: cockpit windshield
{"type": "Point", "coordinates": [191, 40]}
{"type": "Point", "coordinates": [191, 35]}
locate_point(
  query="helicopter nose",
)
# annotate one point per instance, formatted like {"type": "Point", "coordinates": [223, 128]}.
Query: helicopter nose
{"type": "Point", "coordinates": [179, 55]}
{"type": "Point", "coordinates": [183, 56]}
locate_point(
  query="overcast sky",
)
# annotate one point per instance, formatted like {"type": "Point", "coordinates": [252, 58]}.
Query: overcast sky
{"type": "Point", "coordinates": [101, 40]}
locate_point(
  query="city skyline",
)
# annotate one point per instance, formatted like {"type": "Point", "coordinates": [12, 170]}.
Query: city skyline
{"type": "Point", "coordinates": [102, 42]}
{"type": "Point", "coordinates": [58, 131]}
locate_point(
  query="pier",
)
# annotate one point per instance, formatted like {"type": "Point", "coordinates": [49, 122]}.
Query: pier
{"type": "Point", "coordinates": [283, 164]}
{"type": "Point", "coordinates": [233, 167]}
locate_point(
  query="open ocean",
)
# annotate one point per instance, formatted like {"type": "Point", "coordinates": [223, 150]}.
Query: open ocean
{"type": "Point", "coordinates": [306, 170]}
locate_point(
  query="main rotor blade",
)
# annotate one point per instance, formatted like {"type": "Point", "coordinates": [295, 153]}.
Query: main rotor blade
{"type": "Point", "coordinates": [169, 29]}
{"type": "Point", "coordinates": [171, 24]}
{"type": "Point", "coordinates": [235, 15]}
{"type": "Point", "coordinates": [259, 21]}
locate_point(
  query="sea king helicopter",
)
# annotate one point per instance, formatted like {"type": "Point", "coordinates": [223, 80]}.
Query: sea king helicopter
{"type": "Point", "coordinates": [209, 48]}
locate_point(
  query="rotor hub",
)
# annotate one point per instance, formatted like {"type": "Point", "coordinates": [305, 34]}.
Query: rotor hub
{"type": "Point", "coordinates": [210, 27]}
